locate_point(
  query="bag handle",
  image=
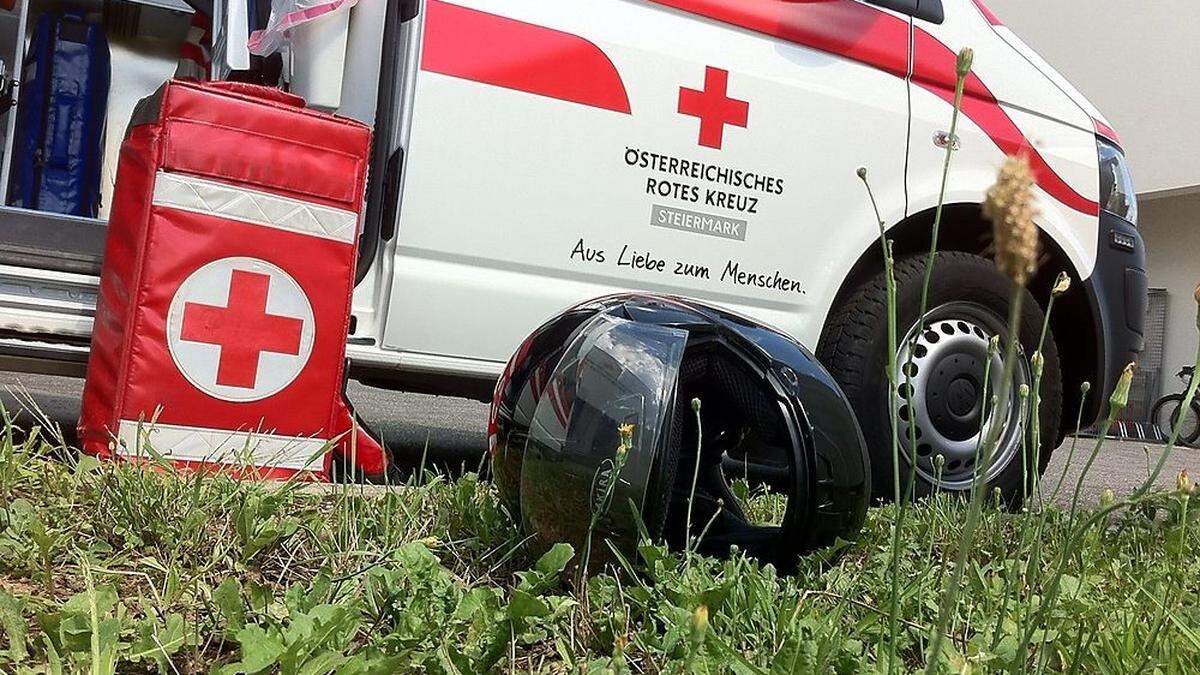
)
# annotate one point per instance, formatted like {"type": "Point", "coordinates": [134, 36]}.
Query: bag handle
{"type": "Point", "coordinates": [260, 92]}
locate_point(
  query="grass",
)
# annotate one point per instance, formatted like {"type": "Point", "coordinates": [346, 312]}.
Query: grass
{"type": "Point", "coordinates": [117, 568]}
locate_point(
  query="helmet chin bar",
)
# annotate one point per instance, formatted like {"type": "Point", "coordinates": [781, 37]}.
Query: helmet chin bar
{"type": "Point", "coordinates": [749, 434]}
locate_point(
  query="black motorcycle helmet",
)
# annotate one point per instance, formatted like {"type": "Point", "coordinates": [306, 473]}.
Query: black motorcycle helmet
{"type": "Point", "coordinates": [769, 415]}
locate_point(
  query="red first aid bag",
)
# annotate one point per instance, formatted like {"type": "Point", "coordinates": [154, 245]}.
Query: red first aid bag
{"type": "Point", "coordinates": [224, 302]}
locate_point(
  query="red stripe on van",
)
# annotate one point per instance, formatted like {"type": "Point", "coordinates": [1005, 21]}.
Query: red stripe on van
{"type": "Point", "coordinates": [988, 14]}
{"type": "Point", "coordinates": [875, 38]}
{"type": "Point", "coordinates": [482, 47]}
{"type": "Point", "coordinates": [934, 71]}
{"type": "Point", "coordinates": [841, 27]}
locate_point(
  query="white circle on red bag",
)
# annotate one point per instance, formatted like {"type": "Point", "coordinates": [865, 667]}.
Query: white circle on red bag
{"type": "Point", "coordinates": [240, 329]}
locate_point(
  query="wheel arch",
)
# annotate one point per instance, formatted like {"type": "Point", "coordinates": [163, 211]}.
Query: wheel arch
{"type": "Point", "coordinates": [965, 229]}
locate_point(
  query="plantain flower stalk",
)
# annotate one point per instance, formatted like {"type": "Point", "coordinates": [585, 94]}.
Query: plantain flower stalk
{"type": "Point", "coordinates": [889, 271]}
{"type": "Point", "coordinates": [1010, 205]}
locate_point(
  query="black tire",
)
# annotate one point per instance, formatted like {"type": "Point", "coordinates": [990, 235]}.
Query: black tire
{"type": "Point", "coordinates": [854, 349]}
{"type": "Point", "coordinates": [1164, 413]}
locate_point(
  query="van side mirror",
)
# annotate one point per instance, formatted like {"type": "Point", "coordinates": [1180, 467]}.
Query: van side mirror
{"type": "Point", "coordinates": [929, 10]}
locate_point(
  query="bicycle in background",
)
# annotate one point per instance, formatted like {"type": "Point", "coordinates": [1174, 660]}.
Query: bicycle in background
{"type": "Point", "coordinates": [1169, 411]}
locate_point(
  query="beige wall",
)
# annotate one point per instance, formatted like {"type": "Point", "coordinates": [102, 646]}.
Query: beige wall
{"type": "Point", "coordinates": [1138, 61]}
{"type": "Point", "coordinates": [1171, 227]}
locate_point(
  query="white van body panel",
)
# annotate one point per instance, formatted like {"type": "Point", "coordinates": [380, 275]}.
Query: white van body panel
{"type": "Point", "coordinates": [500, 223]}
{"type": "Point", "coordinates": [508, 193]}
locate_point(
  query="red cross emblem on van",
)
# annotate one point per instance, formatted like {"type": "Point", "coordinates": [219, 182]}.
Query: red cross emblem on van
{"type": "Point", "coordinates": [714, 107]}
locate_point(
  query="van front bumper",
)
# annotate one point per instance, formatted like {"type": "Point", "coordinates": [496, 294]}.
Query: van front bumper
{"type": "Point", "coordinates": [1118, 291]}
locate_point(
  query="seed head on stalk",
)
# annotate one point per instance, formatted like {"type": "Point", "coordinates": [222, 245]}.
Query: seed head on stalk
{"type": "Point", "coordinates": [1062, 284]}
{"type": "Point", "coordinates": [1120, 395]}
{"type": "Point", "coordinates": [1107, 497]}
{"type": "Point", "coordinates": [962, 65]}
{"type": "Point", "coordinates": [1010, 205]}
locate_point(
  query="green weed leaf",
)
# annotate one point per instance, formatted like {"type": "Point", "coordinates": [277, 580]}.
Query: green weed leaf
{"type": "Point", "coordinates": [158, 642]}
{"type": "Point", "coordinates": [260, 650]}
{"type": "Point", "coordinates": [228, 598]}
{"type": "Point", "coordinates": [555, 560]}
{"type": "Point", "coordinates": [524, 606]}
{"type": "Point", "coordinates": [12, 623]}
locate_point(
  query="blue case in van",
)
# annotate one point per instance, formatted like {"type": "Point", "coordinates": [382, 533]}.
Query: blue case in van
{"type": "Point", "coordinates": [59, 142]}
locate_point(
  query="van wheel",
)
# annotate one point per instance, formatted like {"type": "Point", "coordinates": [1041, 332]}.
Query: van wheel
{"type": "Point", "coordinates": [941, 371]}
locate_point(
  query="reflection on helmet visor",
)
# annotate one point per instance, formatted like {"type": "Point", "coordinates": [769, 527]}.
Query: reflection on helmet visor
{"type": "Point", "coordinates": [614, 373]}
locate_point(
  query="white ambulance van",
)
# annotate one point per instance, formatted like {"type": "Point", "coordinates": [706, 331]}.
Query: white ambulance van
{"type": "Point", "coordinates": [530, 155]}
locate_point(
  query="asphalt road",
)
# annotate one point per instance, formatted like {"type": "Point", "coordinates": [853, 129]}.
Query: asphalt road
{"type": "Point", "coordinates": [453, 430]}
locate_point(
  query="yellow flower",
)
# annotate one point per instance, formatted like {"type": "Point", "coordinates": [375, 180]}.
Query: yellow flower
{"type": "Point", "coordinates": [1183, 483]}
{"type": "Point", "coordinates": [699, 625]}
{"type": "Point", "coordinates": [626, 431]}
{"type": "Point", "coordinates": [1107, 498]}
{"type": "Point", "coordinates": [1011, 207]}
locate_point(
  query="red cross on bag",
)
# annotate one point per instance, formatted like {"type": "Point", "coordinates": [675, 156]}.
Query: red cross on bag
{"type": "Point", "coordinates": [224, 304]}
{"type": "Point", "coordinates": [242, 329]}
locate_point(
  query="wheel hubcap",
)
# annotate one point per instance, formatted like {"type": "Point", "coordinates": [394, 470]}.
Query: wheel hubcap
{"type": "Point", "coordinates": [940, 396]}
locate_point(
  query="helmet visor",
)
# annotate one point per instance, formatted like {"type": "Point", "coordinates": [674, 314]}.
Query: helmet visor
{"type": "Point", "coordinates": [597, 430]}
